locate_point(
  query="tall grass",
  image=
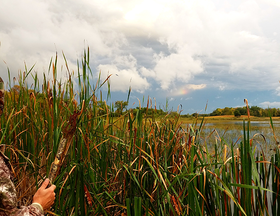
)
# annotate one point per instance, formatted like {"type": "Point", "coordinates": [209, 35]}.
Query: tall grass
{"type": "Point", "coordinates": [132, 164]}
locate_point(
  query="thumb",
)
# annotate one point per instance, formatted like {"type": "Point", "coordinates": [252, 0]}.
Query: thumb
{"type": "Point", "coordinates": [45, 184]}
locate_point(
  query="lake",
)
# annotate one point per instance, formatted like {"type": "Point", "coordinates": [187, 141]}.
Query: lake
{"type": "Point", "coordinates": [231, 132]}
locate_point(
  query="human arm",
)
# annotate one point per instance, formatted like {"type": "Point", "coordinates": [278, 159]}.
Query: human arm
{"type": "Point", "coordinates": [8, 199]}
{"type": "Point", "coordinates": [45, 196]}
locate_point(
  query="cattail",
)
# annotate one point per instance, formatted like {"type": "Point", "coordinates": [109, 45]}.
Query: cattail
{"type": "Point", "coordinates": [248, 110]}
{"type": "Point", "coordinates": [64, 144]}
{"type": "Point", "coordinates": [1, 96]}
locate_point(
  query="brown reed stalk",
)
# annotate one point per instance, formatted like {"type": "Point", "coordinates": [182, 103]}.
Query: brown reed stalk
{"type": "Point", "coordinates": [248, 110]}
{"type": "Point", "coordinates": [64, 144]}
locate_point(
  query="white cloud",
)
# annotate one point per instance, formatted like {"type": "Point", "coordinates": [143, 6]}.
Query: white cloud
{"type": "Point", "coordinates": [166, 41]}
{"type": "Point", "coordinates": [222, 87]}
{"type": "Point", "coordinates": [267, 104]}
{"type": "Point", "coordinates": [34, 34]}
{"type": "Point", "coordinates": [125, 61]}
{"type": "Point", "coordinates": [232, 39]}
{"type": "Point", "coordinates": [179, 66]}
{"type": "Point", "coordinates": [278, 91]}
{"type": "Point", "coordinates": [145, 11]}
{"type": "Point", "coordinates": [196, 87]}
{"type": "Point", "coordinates": [271, 2]}
{"type": "Point", "coordinates": [186, 89]}
{"type": "Point", "coordinates": [122, 79]}
{"type": "Point", "coordinates": [147, 73]}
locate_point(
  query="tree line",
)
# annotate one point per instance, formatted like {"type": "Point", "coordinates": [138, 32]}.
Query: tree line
{"type": "Point", "coordinates": [254, 111]}
{"type": "Point", "coordinates": [120, 107]}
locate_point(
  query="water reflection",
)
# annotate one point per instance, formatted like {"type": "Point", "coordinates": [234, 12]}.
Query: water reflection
{"type": "Point", "coordinates": [231, 132]}
{"type": "Point", "coordinates": [253, 123]}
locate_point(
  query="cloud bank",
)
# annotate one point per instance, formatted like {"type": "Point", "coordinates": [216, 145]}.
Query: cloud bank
{"type": "Point", "coordinates": [217, 44]}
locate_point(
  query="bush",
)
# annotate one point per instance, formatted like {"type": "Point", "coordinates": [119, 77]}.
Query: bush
{"type": "Point", "coordinates": [237, 113]}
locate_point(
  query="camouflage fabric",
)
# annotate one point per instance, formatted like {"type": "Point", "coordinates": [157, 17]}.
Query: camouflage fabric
{"type": "Point", "coordinates": [8, 198]}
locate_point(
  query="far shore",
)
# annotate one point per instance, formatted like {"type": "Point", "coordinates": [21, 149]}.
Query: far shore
{"type": "Point", "coordinates": [210, 119]}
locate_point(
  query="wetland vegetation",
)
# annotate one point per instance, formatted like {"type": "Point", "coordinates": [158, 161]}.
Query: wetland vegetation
{"type": "Point", "coordinates": [133, 163]}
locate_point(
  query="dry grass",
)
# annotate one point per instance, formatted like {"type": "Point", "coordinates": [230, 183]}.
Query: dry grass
{"type": "Point", "coordinates": [131, 165]}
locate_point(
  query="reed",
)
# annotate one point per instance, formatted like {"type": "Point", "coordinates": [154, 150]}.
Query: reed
{"type": "Point", "coordinates": [132, 164]}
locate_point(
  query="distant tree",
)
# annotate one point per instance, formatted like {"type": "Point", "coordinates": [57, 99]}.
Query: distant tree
{"type": "Point", "coordinates": [160, 112]}
{"type": "Point", "coordinates": [259, 113]}
{"type": "Point", "coordinates": [186, 115]}
{"type": "Point", "coordinates": [227, 111]}
{"type": "Point", "coordinates": [195, 115]}
{"type": "Point", "coordinates": [216, 112]}
{"type": "Point", "coordinates": [273, 112]}
{"type": "Point", "coordinates": [265, 113]}
{"type": "Point", "coordinates": [120, 105]}
{"type": "Point", "coordinates": [237, 113]}
{"type": "Point", "coordinates": [242, 110]}
{"type": "Point", "coordinates": [254, 110]}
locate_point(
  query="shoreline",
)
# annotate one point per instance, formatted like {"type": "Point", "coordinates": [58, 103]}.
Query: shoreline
{"type": "Point", "coordinates": [226, 118]}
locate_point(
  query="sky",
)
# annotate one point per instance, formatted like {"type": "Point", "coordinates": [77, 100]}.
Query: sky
{"type": "Point", "coordinates": [194, 56]}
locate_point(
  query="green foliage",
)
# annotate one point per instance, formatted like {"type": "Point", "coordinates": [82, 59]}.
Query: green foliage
{"type": "Point", "coordinates": [237, 113]}
{"type": "Point", "coordinates": [216, 112]}
{"type": "Point", "coordinates": [133, 163]}
{"type": "Point", "coordinates": [227, 111]}
{"type": "Point", "coordinates": [120, 105]}
{"type": "Point", "coordinates": [242, 110]}
{"type": "Point", "coordinates": [195, 115]}
{"type": "Point", "coordinates": [254, 111]}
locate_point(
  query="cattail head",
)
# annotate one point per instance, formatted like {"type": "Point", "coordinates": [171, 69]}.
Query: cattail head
{"type": "Point", "coordinates": [1, 96]}
{"type": "Point", "coordinates": [248, 109]}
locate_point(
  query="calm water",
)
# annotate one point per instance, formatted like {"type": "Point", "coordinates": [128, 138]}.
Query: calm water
{"type": "Point", "coordinates": [253, 123]}
{"type": "Point", "coordinates": [231, 132]}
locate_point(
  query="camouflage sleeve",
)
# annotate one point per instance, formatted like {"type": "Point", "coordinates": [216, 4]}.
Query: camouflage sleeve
{"type": "Point", "coordinates": [8, 198]}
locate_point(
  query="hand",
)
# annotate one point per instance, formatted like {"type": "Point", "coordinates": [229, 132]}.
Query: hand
{"type": "Point", "coordinates": [45, 196]}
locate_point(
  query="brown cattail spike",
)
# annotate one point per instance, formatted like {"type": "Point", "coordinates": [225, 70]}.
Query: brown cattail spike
{"type": "Point", "coordinates": [1, 96]}
{"type": "Point", "coordinates": [248, 109]}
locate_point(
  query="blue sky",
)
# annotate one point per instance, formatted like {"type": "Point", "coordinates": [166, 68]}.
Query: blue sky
{"type": "Point", "coordinates": [191, 53]}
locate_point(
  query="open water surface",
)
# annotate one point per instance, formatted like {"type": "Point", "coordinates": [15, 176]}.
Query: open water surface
{"type": "Point", "coordinates": [263, 137]}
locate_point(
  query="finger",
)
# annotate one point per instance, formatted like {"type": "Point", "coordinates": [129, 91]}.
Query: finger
{"type": "Point", "coordinates": [52, 187]}
{"type": "Point", "coordinates": [45, 184]}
